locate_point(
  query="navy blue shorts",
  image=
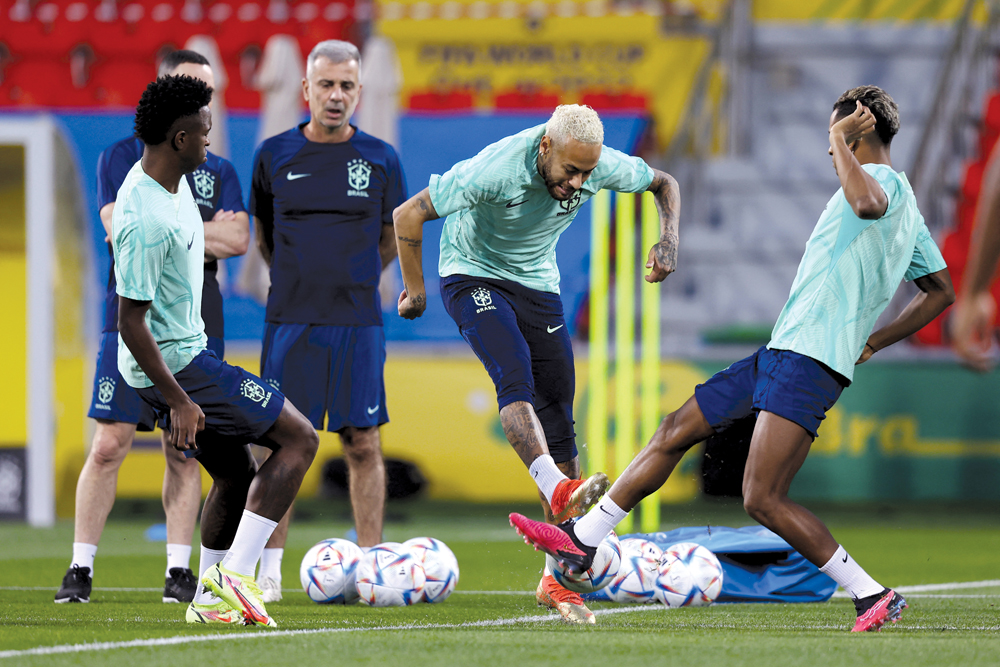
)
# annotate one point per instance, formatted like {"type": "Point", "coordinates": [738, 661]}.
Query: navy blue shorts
{"type": "Point", "coordinates": [785, 383]}
{"type": "Point", "coordinates": [331, 370]}
{"type": "Point", "coordinates": [519, 334]}
{"type": "Point", "coordinates": [116, 401]}
{"type": "Point", "coordinates": [238, 406]}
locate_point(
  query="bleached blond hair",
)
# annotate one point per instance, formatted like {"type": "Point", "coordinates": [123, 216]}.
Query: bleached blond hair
{"type": "Point", "coordinates": [575, 121]}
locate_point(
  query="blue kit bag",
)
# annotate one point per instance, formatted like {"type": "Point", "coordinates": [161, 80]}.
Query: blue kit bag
{"type": "Point", "coordinates": [757, 565]}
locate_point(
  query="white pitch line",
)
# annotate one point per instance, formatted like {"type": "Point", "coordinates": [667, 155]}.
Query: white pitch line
{"type": "Point", "coordinates": [500, 622]}
{"type": "Point", "coordinates": [264, 634]}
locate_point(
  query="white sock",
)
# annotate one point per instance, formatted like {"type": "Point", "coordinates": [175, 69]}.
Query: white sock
{"type": "Point", "coordinates": [209, 557]}
{"type": "Point", "coordinates": [598, 522]}
{"type": "Point", "coordinates": [845, 571]}
{"type": "Point", "coordinates": [253, 533]}
{"type": "Point", "coordinates": [83, 555]}
{"type": "Point", "coordinates": [178, 555]}
{"type": "Point", "coordinates": [546, 475]}
{"type": "Point", "coordinates": [270, 564]}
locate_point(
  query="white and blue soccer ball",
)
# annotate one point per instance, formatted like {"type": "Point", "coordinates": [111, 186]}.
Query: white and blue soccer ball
{"type": "Point", "coordinates": [689, 575]}
{"type": "Point", "coordinates": [440, 567]}
{"type": "Point", "coordinates": [327, 572]}
{"type": "Point", "coordinates": [636, 578]}
{"type": "Point", "coordinates": [606, 564]}
{"type": "Point", "coordinates": [390, 576]}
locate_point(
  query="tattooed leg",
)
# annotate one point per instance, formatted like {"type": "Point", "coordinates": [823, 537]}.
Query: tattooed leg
{"type": "Point", "coordinates": [523, 431]}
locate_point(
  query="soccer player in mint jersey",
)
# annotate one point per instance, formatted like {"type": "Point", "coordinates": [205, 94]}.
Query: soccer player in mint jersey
{"type": "Point", "coordinates": [116, 407]}
{"type": "Point", "coordinates": [212, 410]}
{"type": "Point", "coordinates": [870, 237]}
{"type": "Point", "coordinates": [322, 198]}
{"type": "Point", "coordinates": [505, 209]}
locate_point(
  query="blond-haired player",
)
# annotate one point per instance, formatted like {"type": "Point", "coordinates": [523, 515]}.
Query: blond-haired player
{"type": "Point", "coordinates": [505, 209]}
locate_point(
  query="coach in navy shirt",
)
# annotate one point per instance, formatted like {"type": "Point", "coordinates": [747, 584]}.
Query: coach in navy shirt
{"type": "Point", "coordinates": [116, 406]}
{"type": "Point", "coordinates": [322, 198]}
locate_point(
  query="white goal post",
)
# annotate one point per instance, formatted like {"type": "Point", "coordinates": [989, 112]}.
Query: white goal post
{"type": "Point", "coordinates": [37, 135]}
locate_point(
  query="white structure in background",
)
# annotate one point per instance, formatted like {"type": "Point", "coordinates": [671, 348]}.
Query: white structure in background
{"type": "Point", "coordinates": [381, 76]}
{"type": "Point", "coordinates": [219, 135]}
{"type": "Point", "coordinates": [279, 81]}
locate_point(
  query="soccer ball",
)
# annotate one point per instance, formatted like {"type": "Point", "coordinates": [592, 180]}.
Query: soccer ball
{"type": "Point", "coordinates": [636, 579]}
{"type": "Point", "coordinates": [606, 564]}
{"type": "Point", "coordinates": [689, 576]}
{"type": "Point", "coordinates": [327, 572]}
{"type": "Point", "coordinates": [389, 577]}
{"type": "Point", "coordinates": [440, 567]}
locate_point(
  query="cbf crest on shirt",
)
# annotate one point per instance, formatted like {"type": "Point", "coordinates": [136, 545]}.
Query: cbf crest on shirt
{"type": "Point", "coordinates": [326, 205]}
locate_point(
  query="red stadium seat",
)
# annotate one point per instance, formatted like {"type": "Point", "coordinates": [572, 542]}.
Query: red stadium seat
{"type": "Point", "coordinates": [518, 99]}
{"type": "Point", "coordinates": [615, 101]}
{"type": "Point", "coordinates": [455, 100]}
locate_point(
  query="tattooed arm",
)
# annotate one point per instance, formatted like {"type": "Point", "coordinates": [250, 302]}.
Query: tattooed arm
{"type": "Point", "coordinates": [408, 221]}
{"type": "Point", "coordinates": [662, 260]}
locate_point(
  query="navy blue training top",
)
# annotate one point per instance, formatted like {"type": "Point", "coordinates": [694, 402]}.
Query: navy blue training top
{"type": "Point", "coordinates": [325, 205]}
{"type": "Point", "coordinates": [214, 185]}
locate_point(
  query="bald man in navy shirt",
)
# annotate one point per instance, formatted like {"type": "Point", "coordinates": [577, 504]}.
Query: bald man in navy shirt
{"type": "Point", "coordinates": [322, 198]}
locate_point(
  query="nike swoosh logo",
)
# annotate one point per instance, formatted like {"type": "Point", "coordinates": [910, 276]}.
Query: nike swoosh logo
{"type": "Point", "coordinates": [845, 557]}
{"type": "Point", "coordinates": [554, 329]}
{"type": "Point", "coordinates": [192, 240]}
{"type": "Point", "coordinates": [293, 177]}
{"type": "Point", "coordinates": [512, 204]}
{"type": "Point", "coordinates": [604, 510]}
{"type": "Point", "coordinates": [372, 411]}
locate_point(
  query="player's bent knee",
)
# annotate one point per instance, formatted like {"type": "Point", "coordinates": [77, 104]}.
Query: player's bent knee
{"type": "Point", "coordinates": [759, 506]}
{"type": "Point", "coordinates": [108, 451]}
{"type": "Point", "coordinates": [361, 444]}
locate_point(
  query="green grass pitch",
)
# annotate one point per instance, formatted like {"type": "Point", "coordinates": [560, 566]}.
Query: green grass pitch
{"type": "Point", "coordinates": [490, 620]}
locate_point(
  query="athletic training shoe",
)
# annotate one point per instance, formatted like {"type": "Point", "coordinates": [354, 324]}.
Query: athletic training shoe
{"type": "Point", "coordinates": [75, 585]}
{"type": "Point", "coordinates": [573, 497]}
{"type": "Point", "coordinates": [271, 589]}
{"type": "Point", "coordinates": [180, 585]}
{"type": "Point", "coordinates": [217, 612]}
{"type": "Point", "coordinates": [875, 610]}
{"type": "Point", "coordinates": [240, 592]}
{"type": "Point", "coordinates": [569, 604]}
{"type": "Point", "coordinates": [558, 541]}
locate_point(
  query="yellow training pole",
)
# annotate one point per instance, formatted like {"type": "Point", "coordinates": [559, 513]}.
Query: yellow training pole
{"type": "Point", "coordinates": [625, 271]}
{"type": "Point", "coordinates": [597, 405]}
{"type": "Point", "coordinates": [650, 373]}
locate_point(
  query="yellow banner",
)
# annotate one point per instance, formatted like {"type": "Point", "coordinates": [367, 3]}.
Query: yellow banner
{"type": "Point", "coordinates": [569, 49]}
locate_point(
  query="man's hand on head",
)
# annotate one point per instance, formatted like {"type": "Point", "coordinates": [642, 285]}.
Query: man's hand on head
{"type": "Point", "coordinates": [853, 127]}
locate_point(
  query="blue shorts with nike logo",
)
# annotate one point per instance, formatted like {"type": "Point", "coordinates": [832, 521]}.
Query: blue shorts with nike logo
{"type": "Point", "coordinates": [327, 370]}
{"type": "Point", "coordinates": [782, 382]}
{"type": "Point", "coordinates": [519, 334]}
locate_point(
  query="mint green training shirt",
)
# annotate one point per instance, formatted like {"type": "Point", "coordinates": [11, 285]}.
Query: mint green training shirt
{"type": "Point", "coordinates": [501, 220]}
{"type": "Point", "coordinates": [158, 240]}
{"type": "Point", "coordinates": [850, 270]}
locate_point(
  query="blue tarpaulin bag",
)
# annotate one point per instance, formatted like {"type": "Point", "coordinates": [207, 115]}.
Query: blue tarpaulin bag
{"type": "Point", "coordinates": [757, 565]}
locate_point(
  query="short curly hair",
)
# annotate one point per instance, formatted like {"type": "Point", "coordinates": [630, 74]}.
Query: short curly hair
{"type": "Point", "coordinates": [882, 106]}
{"type": "Point", "coordinates": [579, 122]}
{"type": "Point", "coordinates": [164, 102]}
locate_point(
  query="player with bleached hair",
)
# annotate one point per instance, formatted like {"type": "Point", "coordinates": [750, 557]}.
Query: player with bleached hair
{"type": "Point", "coordinates": [870, 237]}
{"type": "Point", "coordinates": [505, 209]}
